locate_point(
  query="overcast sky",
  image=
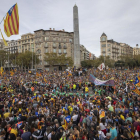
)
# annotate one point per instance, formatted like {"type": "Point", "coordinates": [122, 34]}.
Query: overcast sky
{"type": "Point", "coordinates": [119, 19]}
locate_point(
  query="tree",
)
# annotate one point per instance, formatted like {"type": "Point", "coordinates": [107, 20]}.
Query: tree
{"type": "Point", "coordinates": [3, 57]}
{"type": "Point", "coordinates": [51, 58]}
{"type": "Point", "coordinates": [12, 58]}
{"type": "Point", "coordinates": [54, 59]}
{"type": "Point", "coordinates": [63, 60]}
{"type": "Point", "coordinates": [25, 59]}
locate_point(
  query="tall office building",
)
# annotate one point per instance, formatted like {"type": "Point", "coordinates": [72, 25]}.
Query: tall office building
{"type": "Point", "coordinates": [76, 37]}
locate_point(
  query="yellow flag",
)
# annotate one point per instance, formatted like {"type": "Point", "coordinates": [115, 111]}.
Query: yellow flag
{"type": "Point", "coordinates": [2, 69]}
{"type": "Point", "coordinates": [5, 43]}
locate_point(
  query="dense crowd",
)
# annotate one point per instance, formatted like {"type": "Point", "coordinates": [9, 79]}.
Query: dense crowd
{"type": "Point", "coordinates": [66, 106]}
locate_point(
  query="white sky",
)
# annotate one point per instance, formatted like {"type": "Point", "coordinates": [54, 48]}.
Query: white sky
{"type": "Point", "coordinates": [119, 19]}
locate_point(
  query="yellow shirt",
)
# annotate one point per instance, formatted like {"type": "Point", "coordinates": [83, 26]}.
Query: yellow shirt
{"type": "Point", "coordinates": [14, 131]}
{"type": "Point", "coordinates": [86, 89]}
{"type": "Point", "coordinates": [6, 114]}
{"type": "Point", "coordinates": [122, 117]}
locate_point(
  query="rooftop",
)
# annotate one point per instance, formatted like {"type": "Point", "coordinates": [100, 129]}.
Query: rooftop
{"type": "Point", "coordinates": [103, 34]}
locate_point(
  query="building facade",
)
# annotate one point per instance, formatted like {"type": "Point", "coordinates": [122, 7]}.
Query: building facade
{"type": "Point", "coordinates": [12, 47]}
{"type": "Point", "coordinates": [52, 41]}
{"type": "Point", "coordinates": [136, 50]}
{"type": "Point", "coordinates": [114, 49]}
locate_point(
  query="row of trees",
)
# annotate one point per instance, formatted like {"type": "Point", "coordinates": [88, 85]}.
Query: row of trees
{"type": "Point", "coordinates": [96, 62]}
{"type": "Point", "coordinates": [18, 59]}
{"type": "Point", "coordinates": [123, 62]}
{"type": "Point", "coordinates": [54, 59]}
{"type": "Point", "coordinates": [25, 59]}
{"type": "Point", "coordinates": [128, 62]}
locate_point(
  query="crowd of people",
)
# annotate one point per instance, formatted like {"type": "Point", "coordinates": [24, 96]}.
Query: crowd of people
{"type": "Point", "coordinates": [64, 105]}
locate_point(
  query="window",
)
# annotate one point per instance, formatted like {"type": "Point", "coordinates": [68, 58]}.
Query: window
{"type": "Point", "coordinates": [46, 45]}
{"type": "Point", "coordinates": [40, 57]}
{"type": "Point", "coordinates": [54, 39]}
{"type": "Point", "coordinates": [40, 63]}
{"type": "Point", "coordinates": [70, 40]}
{"type": "Point", "coordinates": [108, 49]}
{"type": "Point", "coordinates": [54, 45]}
{"type": "Point", "coordinates": [103, 39]}
{"type": "Point", "coordinates": [59, 46]}
{"type": "Point", "coordinates": [59, 50]}
{"type": "Point", "coordinates": [108, 45]}
{"type": "Point", "coordinates": [28, 36]}
{"type": "Point", "coordinates": [65, 47]}
{"type": "Point", "coordinates": [65, 51]}
{"type": "Point", "coordinates": [45, 63]}
{"type": "Point", "coordinates": [54, 50]}
{"type": "Point", "coordinates": [46, 50]}
{"type": "Point", "coordinates": [46, 38]}
{"type": "Point", "coordinates": [103, 45]}
{"type": "Point", "coordinates": [28, 40]}
{"type": "Point", "coordinates": [64, 40]}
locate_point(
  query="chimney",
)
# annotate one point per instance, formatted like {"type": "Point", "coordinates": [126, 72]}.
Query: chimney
{"type": "Point", "coordinates": [53, 28]}
{"type": "Point", "coordinates": [50, 28]}
{"type": "Point", "coordinates": [63, 30]}
{"type": "Point", "coordinates": [137, 45]}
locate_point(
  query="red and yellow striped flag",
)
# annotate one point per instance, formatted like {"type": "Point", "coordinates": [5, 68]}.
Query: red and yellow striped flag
{"type": "Point", "coordinates": [11, 22]}
{"type": "Point", "coordinates": [136, 90]}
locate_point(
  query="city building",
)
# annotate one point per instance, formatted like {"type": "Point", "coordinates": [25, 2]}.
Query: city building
{"type": "Point", "coordinates": [52, 41]}
{"type": "Point", "coordinates": [114, 49]}
{"type": "Point", "coordinates": [26, 43]}
{"type": "Point", "coordinates": [136, 50]}
{"type": "Point", "coordinates": [12, 47]}
{"type": "Point", "coordinates": [85, 54]}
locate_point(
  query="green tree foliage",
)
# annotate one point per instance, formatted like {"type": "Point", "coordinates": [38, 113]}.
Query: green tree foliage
{"type": "Point", "coordinates": [25, 59]}
{"type": "Point", "coordinates": [54, 59]}
{"type": "Point", "coordinates": [95, 63]}
{"type": "Point", "coordinates": [3, 57]}
{"type": "Point", "coordinates": [12, 58]}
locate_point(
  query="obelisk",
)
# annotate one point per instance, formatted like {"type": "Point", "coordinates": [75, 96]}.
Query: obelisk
{"type": "Point", "coordinates": [76, 37]}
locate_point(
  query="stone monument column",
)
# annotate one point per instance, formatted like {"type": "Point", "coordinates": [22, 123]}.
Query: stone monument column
{"type": "Point", "coordinates": [77, 62]}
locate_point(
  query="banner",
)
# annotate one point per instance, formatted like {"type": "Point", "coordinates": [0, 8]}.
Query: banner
{"type": "Point", "coordinates": [101, 66]}
{"type": "Point", "coordinates": [96, 81]}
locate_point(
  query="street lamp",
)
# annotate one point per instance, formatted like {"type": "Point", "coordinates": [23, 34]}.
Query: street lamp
{"type": "Point", "coordinates": [32, 57]}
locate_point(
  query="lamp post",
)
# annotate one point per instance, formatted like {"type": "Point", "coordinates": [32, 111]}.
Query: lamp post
{"type": "Point", "coordinates": [32, 57]}
{"type": "Point", "coordinates": [8, 60]}
{"type": "Point", "coordinates": [35, 62]}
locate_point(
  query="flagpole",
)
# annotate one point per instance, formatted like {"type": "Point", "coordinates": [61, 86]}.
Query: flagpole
{"type": "Point", "coordinates": [3, 18]}
{"type": "Point", "coordinates": [5, 15]}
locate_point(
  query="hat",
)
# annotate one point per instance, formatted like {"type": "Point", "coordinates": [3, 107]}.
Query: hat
{"type": "Point", "coordinates": [108, 134]}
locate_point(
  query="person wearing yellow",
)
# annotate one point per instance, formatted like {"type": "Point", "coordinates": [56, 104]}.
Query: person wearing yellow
{"type": "Point", "coordinates": [74, 88]}
{"type": "Point", "coordinates": [6, 114]}
{"type": "Point", "coordinates": [86, 89]}
{"type": "Point", "coordinates": [14, 130]}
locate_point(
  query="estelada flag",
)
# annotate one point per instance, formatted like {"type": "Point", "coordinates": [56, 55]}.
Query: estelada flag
{"type": "Point", "coordinates": [11, 22]}
{"type": "Point", "coordinates": [136, 90]}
